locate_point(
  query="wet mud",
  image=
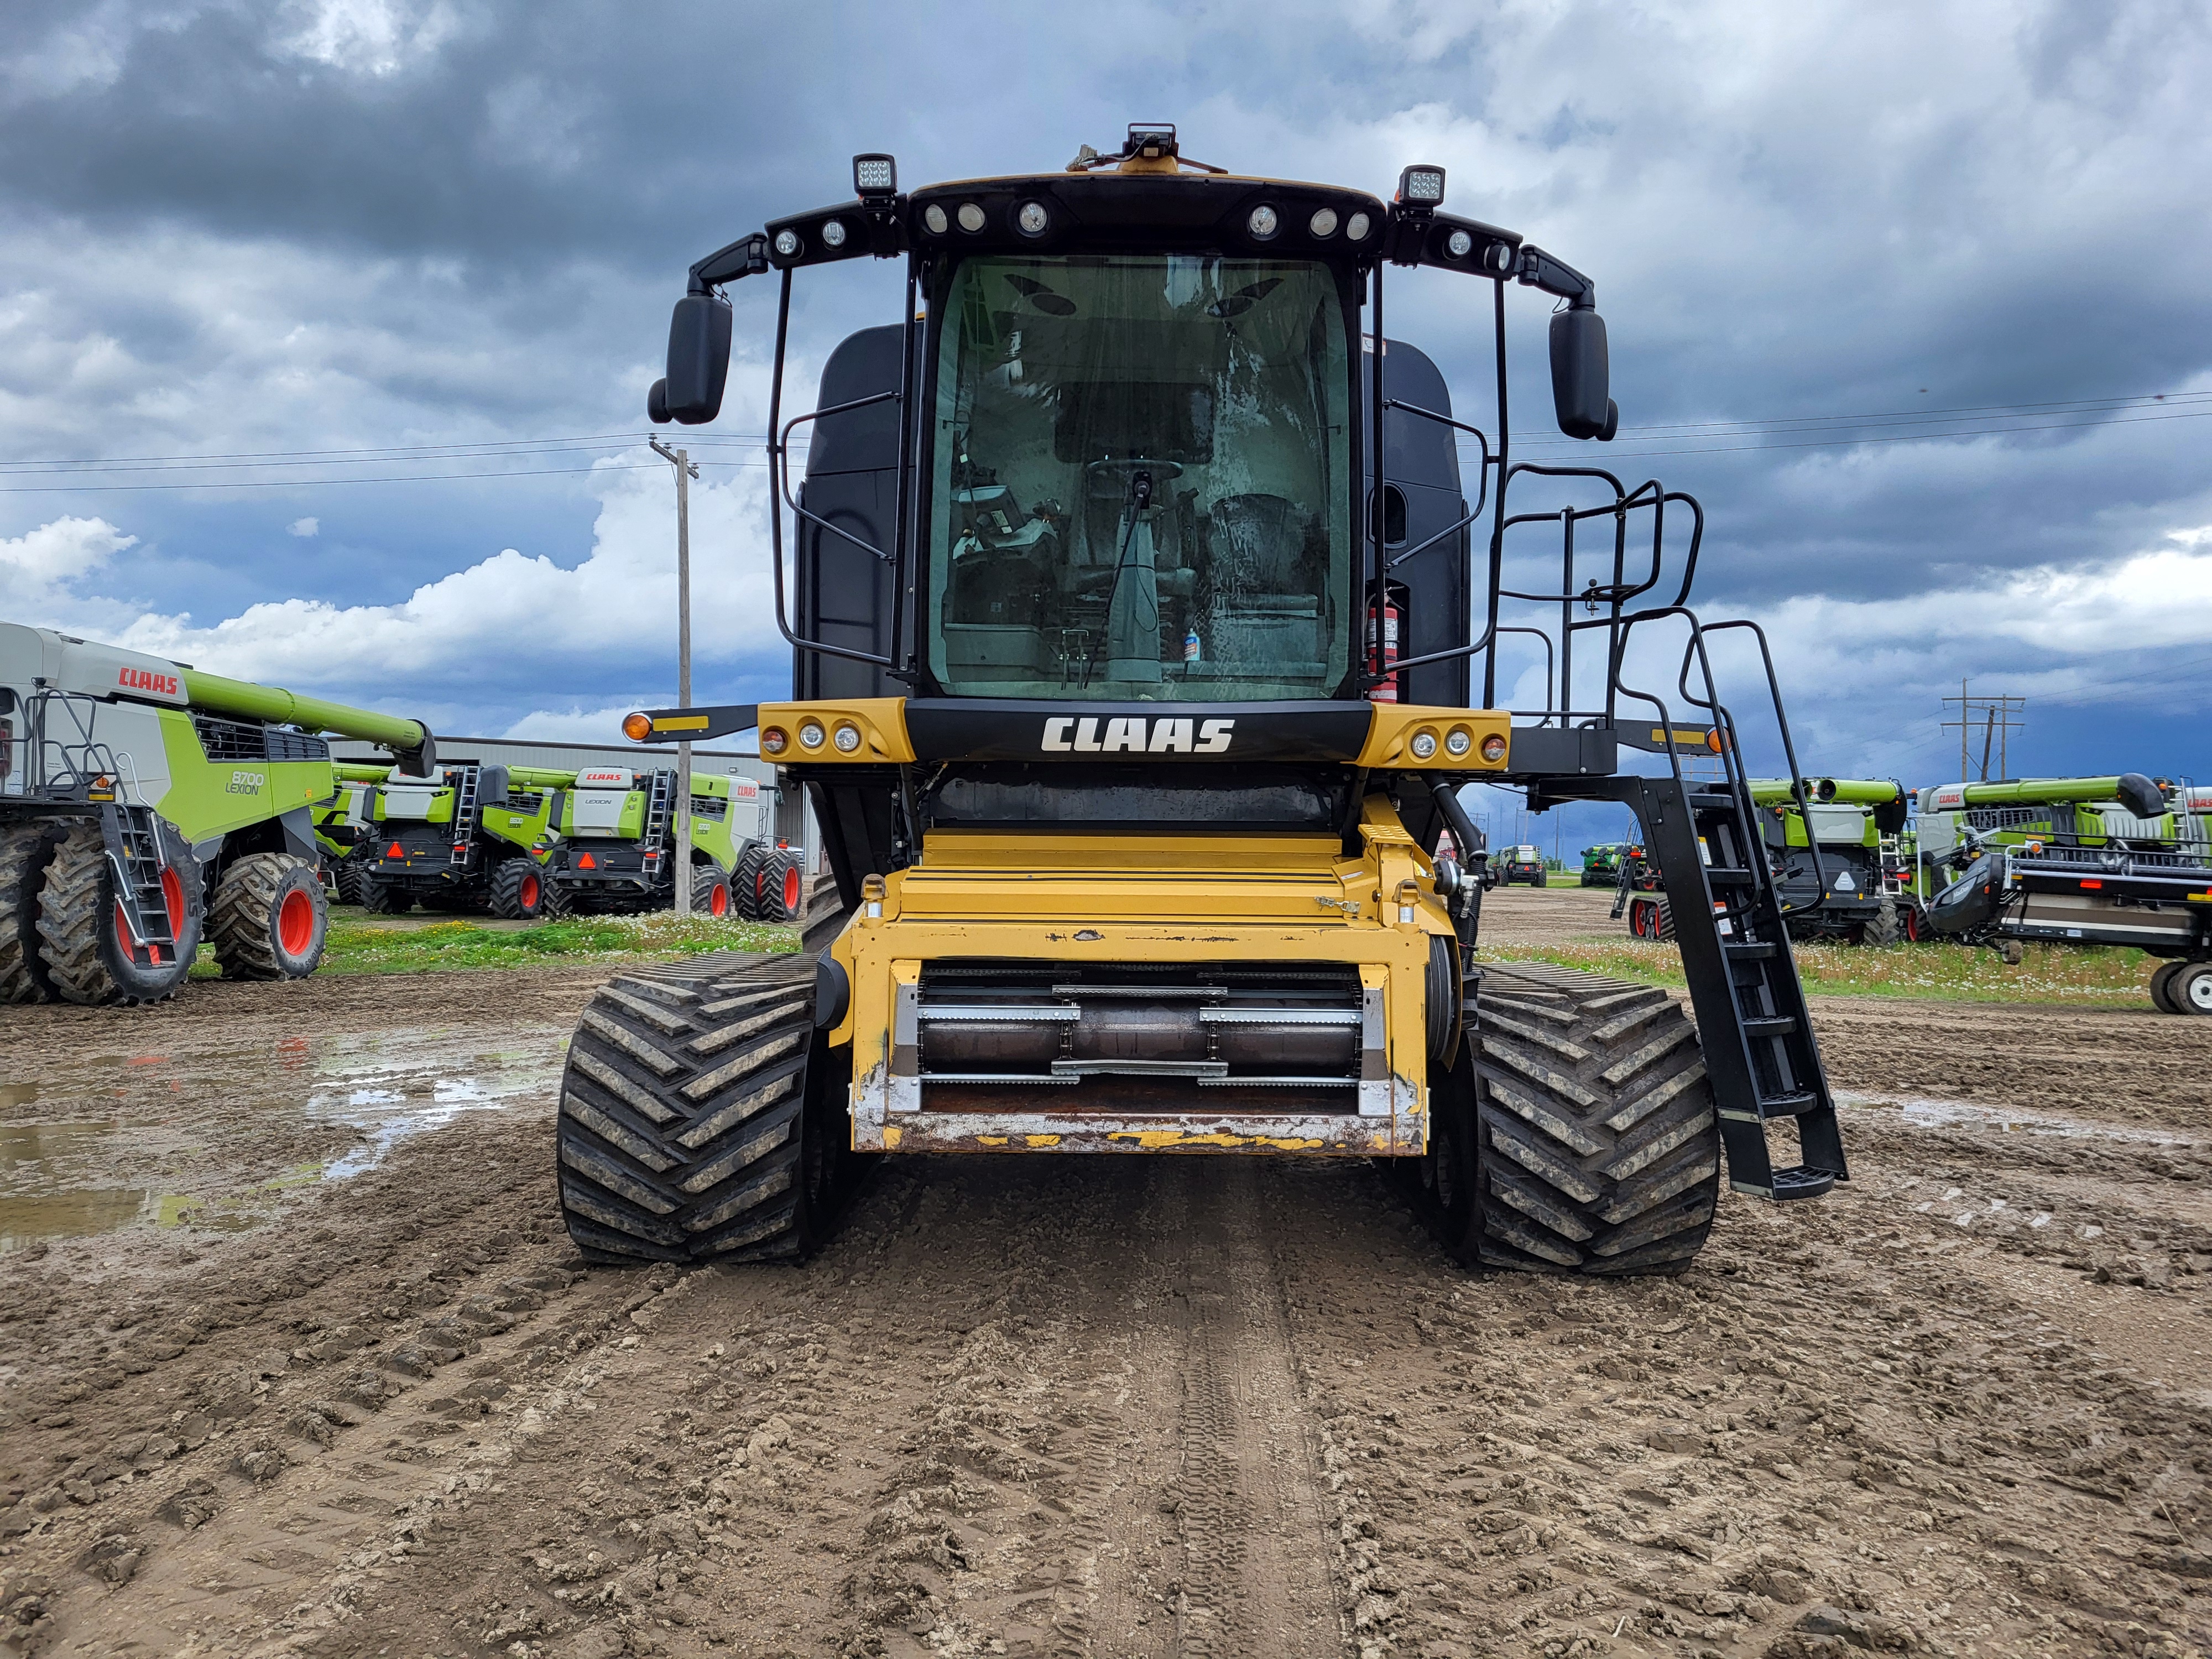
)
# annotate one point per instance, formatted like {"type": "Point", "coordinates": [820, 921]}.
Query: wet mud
{"type": "Point", "coordinates": [326, 1377]}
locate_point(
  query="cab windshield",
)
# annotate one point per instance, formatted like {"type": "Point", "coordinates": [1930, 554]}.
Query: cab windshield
{"type": "Point", "coordinates": [1140, 480]}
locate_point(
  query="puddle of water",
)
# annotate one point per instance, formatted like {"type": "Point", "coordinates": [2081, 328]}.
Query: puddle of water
{"type": "Point", "coordinates": [1922, 1113]}
{"type": "Point", "coordinates": [391, 1090]}
{"type": "Point", "coordinates": [386, 1085]}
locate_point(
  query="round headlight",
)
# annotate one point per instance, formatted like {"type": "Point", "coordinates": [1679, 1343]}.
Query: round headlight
{"type": "Point", "coordinates": [1323, 223]}
{"type": "Point", "coordinates": [1356, 227]}
{"type": "Point", "coordinates": [1424, 744]}
{"type": "Point", "coordinates": [1493, 748]}
{"type": "Point", "coordinates": [933, 219]}
{"type": "Point", "coordinates": [773, 742]}
{"type": "Point", "coordinates": [971, 217]}
{"type": "Point", "coordinates": [1458, 740]}
{"type": "Point", "coordinates": [787, 244]}
{"type": "Point", "coordinates": [833, 233]}
{"type": "Point", "coordinates": [1264, 223]}
{"type": "Point", "coordinates": [637, 727]}
{"type": "Point", "coordinates": [1033, 219]}
{"type": "Point", "coordinates": [847, 740]}
{"type": "Point", "coordinates": [1499, 257]}
{"type": "Point", "coordinates": [1458, 244]}
{"type": "Point", "coordinates": [809, 735]}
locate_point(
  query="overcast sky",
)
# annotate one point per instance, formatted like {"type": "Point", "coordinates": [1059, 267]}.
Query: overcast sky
{"type": "Point", "coordinates": [331, 240]}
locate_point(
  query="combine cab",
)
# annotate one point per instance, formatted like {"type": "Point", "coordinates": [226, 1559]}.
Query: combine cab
{"type": "Point", "coordinates": [1141, 648]}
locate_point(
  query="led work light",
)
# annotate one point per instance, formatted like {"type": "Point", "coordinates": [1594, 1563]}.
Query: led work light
{"type": "Point", "coordinates": [875, 176]}
{"type": "Point", "coordinates": [1421, 187]}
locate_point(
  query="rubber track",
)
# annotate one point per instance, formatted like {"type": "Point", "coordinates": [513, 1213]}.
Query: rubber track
{"type": "Point", "coordinates": [77, 909]}
{"type": "Point", "coordinates": [25, 851]}
{"type": "Point", "coordinates": [238, 920]}
{"type": "Point", "coordinates": [680, 1111]}
{"type": "Point", "coordinates": [1598, 1150]}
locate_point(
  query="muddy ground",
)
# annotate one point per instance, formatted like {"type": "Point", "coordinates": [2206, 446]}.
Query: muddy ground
{"type": "Point", "coordinates": [296, 1357]}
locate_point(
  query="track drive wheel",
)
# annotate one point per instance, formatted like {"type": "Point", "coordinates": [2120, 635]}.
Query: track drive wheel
{"type": "Point", "coordinates": [710, 894]}
{"type": "Point", "coordinates": [83, 941]}
{"type": "Point", "coordinates": [702, 1115]}
{"type": "Point", "coordinates": [517, 891]}
{"type": "Point", "coordinates": [25, 850]}
{"type": "Point", "coordinates": [1650, 916]}
{"type": "Point", "coordinates": [2189, 991]}
{"type": "Point", "coordinates": [1579, 1135]}
{"type": "Point", "coordinates": [381, 897]}
{"type": "Point", "coordinates": [270, 919]}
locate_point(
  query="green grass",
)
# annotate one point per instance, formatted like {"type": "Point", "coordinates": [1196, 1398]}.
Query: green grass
{"type": "Point", "coordinates": [357, 949]}
{"type": "Point", "coordinates": [2094, 975]}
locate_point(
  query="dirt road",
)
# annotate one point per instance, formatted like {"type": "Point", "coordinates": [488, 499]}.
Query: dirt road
{"type": "Point", "coordinates": [321, 1374]}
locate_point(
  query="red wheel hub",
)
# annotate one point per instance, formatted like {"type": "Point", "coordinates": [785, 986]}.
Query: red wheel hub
{"type": "Point", "coordinates": [296, 923]}
{"type": "Point", "coordinates": [718, 903]}
{"type": "Point", "coordinates": [527, 893]}
{"type": "Point", "coordinates": [791, 890]}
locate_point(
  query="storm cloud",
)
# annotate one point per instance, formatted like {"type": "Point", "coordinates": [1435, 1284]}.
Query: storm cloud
{"type": "Point", "coordinates": [255, 231]}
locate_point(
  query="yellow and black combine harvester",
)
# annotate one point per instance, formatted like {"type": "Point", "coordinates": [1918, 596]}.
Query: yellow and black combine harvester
{"type": "Point", "coordinates": [1132, 693]}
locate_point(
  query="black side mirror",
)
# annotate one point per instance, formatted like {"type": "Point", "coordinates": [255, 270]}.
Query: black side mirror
{"type": "Point", "coordinates": [698, 362]}
{"type": "Point", "coordinates": [1581, 375]}
{"type": "Point", "coordinates": [2141, 796]}
{"type": "Point", "coordinates": [492, 786]}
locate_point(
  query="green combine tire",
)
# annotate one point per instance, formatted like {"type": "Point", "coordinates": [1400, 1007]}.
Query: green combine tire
{"type": "Point", "coordinates": [1885, 929]}
{"type": "Point", "coordinates": [25, 849]}
{"type": "Point", "coordinates": [698, 1114]}
{"type": "Point", "coordinates": [782, 889]}
{"type": "Point", "coordinates": [710, 894]}
{"type": "Point", "coordinates": [519, 891]}
{"type": "Point", "coordinates": [1580, 1136]}
{"type": "Point", "coordinates": [83, 938]}
{"type": "Point", "coordinates": [345, 879]}
{"type": "Point", "coordinates": [381, 897]}
{"type": "Point", "coordinates": [745, 881]}
{"type": "Point", "coordinates": [269, 918]}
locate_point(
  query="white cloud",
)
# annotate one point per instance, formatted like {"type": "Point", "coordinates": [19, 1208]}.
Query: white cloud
{"type": "Point", "coordinates": [40, 569]}
{"type": "Point", "coordinates": [306, 526]}
{"type": "Point", "coordinates": [575, 725]}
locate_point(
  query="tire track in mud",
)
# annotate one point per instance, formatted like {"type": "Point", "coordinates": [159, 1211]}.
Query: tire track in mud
{"type": "Point", "coordinates": [1257, 1578]}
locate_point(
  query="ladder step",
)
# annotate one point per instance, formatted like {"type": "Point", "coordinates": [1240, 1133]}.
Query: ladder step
{"type": "Point", "coordinates": [1770, 1025]}
{"type": "Point", "coordinates": [1787, 1105]}
{"type": "Point", "coordinates": [1745, 950]}
{"type": "Point", "coordinates": [1717, 876]}
{"type": "Point", "coordinates": [1802, 1180]}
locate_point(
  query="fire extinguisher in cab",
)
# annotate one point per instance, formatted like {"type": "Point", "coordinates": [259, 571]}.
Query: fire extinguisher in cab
{"type": "Point", "coordinates": [1384, 661]}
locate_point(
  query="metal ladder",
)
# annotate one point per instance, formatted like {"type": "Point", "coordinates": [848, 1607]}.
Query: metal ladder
{"type": "Point", "coordinates": [1759, 1048]}
{"type": "Point", "coordinates": [465, 817]}
{"type": "Point", "coordinates": [658, 800]}
{"type": "Point", "coordinates": [132, 836]}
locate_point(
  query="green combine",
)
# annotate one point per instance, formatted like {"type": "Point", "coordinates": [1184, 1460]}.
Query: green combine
{"type": "Point", "coordinates": [1601, 864]}
{"type": "Point", "coordinates": [524, 842]}
{"type": "Point", "coordinates": [2119, 860]}
{"type": "Point", "coordinates": [145, 805]}
{"type": "Point", "coordinates": [1831, 844]}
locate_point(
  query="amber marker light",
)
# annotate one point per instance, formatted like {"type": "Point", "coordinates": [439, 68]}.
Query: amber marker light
{"type": "Point", "coordinates": [1493, 748]}
{"type": "Point", "coordinates": [637, 727]}
{"type": "Point", "coordinates": [774, 742]}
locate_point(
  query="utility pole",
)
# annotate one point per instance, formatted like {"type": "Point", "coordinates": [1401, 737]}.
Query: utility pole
{"type": "Point", "coordinates": [1997, 716]}
{"type": "Point", "coordinates": [681, 461]}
